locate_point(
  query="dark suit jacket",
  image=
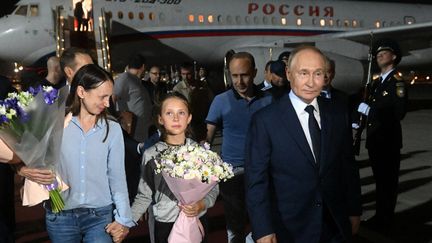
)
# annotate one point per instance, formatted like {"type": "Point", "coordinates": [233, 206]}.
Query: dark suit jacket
{"type": "Point", "coordinates": [285, 189]}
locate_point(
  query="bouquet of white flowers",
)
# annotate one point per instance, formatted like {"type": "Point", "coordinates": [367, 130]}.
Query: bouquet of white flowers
{"type": "Point", "coordinates": [31, 124]}
{"type": "Point", "coordinates": [190, 171]}
{"type": "Point", "coordinates": [193, 161]}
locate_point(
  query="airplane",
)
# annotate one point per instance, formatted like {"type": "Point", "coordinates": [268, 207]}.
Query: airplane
{"type": "Point", "coordinates": [173, 31]}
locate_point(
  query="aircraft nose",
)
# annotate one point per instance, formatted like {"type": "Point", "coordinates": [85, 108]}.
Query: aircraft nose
{"type": "Point", "coordinates": [7, 38]}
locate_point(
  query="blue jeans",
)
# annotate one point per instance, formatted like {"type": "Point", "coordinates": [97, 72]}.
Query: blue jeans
{"type": "Point", "coordinates": [79, 225]}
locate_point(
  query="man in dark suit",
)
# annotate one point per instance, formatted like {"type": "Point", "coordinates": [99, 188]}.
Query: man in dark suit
{"type": "Point", "coordinates": [302, 183]}
{"type": "Point", "coordinates": [266, 84]}
{"type": "Point", "coordinates": [385, 108]}
{"type": "Point", "coordinates": [329, 92]}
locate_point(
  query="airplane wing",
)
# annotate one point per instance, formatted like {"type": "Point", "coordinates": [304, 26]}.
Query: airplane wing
{"type": "Point", "coordinates": [355, 44]}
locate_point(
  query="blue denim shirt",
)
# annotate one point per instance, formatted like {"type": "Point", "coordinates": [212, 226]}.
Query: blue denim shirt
{"type": "Point", "coordinates": [94, 170]}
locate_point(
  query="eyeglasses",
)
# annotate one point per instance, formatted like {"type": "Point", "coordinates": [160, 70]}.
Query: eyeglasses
{"type": "Point", "coordinates": [155, 73]}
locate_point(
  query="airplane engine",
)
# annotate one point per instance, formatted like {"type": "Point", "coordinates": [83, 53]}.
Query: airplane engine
{"type": "Point", "coordinates": [350, 73]}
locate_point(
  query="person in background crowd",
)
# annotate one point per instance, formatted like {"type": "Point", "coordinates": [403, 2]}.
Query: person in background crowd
{"type": "Point", "coordinates": [330, 92]}
{"type": "Point", "coordinates": [71, 60]}
{"type": "Point", "coordinates": [232, 111]}
{"type": "Point", "coordinates": [79, 14]}
{"type": "Point", "coordinates": [279, 81]}
{"type": "Point", "coordinates": [187, 83]}
{"type": "Point", "coordinates": [130, 96]}
{"type": "Point", "coordinates": [54, 77]}
{"type": "Point", "coordinates": [284, 56]}
{"type": "Point", "coordinates": [266, 84]}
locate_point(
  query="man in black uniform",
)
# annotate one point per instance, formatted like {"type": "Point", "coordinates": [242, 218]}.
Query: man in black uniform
{"type": "Point", "coordinates": [385, 108]}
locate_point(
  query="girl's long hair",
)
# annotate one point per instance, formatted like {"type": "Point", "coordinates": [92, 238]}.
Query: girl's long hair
{"type": "Point", "coordinates": [89, 77]}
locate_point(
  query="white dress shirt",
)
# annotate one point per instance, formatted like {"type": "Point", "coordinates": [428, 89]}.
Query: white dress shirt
{"type": "Point", "coordinates": [384, 75]}
{"type": "Point", "coordinates": [299, 107]}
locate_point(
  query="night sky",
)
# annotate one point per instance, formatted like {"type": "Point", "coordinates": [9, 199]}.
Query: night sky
{"type": "Point", "coordinates": [8, 5]}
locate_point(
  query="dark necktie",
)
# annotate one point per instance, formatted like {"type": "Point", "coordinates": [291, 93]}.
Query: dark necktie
{"type": "Point", "coordinates": [315, 132]}
{"type": "Point", "coordinates": [376, 84]}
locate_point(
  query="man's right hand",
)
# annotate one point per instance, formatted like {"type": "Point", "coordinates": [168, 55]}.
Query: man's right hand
{"type": "Point", "coordinates": [41, 176]}
{"type": "Point", "coordinates": [267, 239]}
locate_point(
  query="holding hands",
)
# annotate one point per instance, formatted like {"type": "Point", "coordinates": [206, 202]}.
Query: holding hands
{"type": "Point", "coordinates": [117, 231]}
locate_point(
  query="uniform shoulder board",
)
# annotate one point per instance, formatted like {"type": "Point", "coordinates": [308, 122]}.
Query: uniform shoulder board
{"type": "Point", "coordinates": [397, 77]}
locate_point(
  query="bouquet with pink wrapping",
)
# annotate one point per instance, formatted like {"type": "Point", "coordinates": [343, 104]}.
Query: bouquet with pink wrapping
{"type": "Point", "coordinates": [190, 171]}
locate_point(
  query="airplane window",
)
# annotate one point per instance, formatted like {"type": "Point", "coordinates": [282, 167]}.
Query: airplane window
{"type": "Point", "coordinates": [314, 22]}
{"type": "Point", "coordinates": [299, 22]}
{"type": "Point", "coordinates": [346, 23]}
{"type": "Point", "coordinates": [131, 15]}
{"type": "Point", "coordinates": [384, 24]}
{"type": "Point", "coordinates": [21, 10]}
{"type": "Point", "coordinates": [238, 20]}
{"type": "Point", "coordinates": [338, 23]}
{"type": "Point", "coordinates": [377, 24]}
{"type": "Point", "coordinates": [273, 20]}
{"type": "Point", "coordinates": [162, 17]}
{"type": "Point", "coordinates": [191, 18]}
{"type": "Point", "coordinates": [201, 18]}
{"type": "Point", "coordinates": [322, 22]}
{"type": "Point", "coordinates": [34, 10]}
{"type": "Point", "coordinates": [152, 16]}
{"type": "Point", "coordinates": [220, 19]}
{"type": "Point", "coordinates": [283, 21]}
{"type": "Point", "coordinates": [354, 23]}
{"type": "Point", "coordinates": [141, 15]}
{"type": "Point", "coordinates": [409, 20]}
{"type": "Point", "coordinates": [331, 23]}
{"type": "Point", "coordinates": [210, 19]}
{"type": "Point", "coordinates": [109, 14]}
{"type": "Point", "coordinates": [120, 14]}
{"type": "Point", "coordinates": [256, 20]}
{"type": "Point", "coordinates": [229, 19]}
{"type": "Point", "coordinates": [247, 20]}
{"type": "Point", "coordinates": [265, 20]}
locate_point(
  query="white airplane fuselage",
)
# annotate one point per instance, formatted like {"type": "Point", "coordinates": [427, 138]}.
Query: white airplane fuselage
{"type": "Point", "coordinates": [206, 30]}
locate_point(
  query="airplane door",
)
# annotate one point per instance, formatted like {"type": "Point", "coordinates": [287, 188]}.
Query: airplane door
{"type": "Point", "coordinates": [101, 23]}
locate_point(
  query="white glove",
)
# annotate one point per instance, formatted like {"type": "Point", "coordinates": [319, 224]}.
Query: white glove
{"type": "Point", "coordinates": [355, 125]}
{"type": "Point", "coordinates": [363, 108]}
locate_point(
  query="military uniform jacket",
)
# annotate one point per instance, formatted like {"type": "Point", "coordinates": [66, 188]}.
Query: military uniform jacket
{"type": "Point", "coordinates": [388, 103]}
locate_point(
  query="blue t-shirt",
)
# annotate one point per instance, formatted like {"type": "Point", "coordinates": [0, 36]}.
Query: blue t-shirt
{"type": "Point", "coordinates": [233, 113]}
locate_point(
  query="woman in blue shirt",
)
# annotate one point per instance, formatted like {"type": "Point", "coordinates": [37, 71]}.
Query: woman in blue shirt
{"type": "Point", "coordinates": [92, 164]}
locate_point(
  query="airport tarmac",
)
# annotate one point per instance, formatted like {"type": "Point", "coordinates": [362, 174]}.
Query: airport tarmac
{"type": "Point", "coordinates": [413, 222]}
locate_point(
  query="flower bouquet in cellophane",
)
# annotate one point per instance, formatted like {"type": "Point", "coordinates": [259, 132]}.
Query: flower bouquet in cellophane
{"type": "Point", "coordinates": [31, 124]}
{"type": "Point", "coordinates": [190, 171]}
